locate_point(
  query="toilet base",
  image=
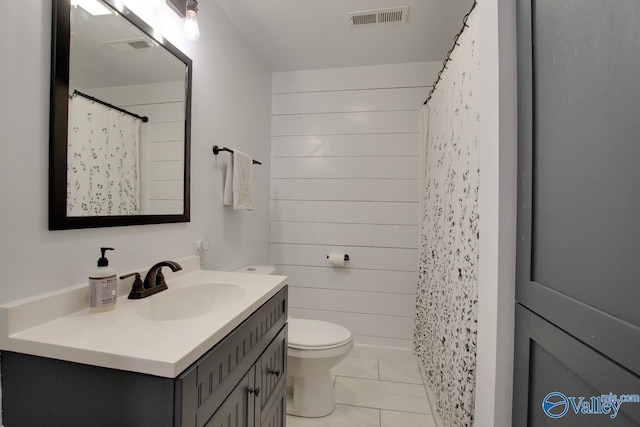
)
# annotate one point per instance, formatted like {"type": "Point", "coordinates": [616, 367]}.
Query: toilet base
{"type": "Point", "coordinates": [312, 396]}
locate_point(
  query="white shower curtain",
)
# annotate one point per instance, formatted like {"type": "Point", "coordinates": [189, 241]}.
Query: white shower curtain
{"type": "Point", "coordinates": [446, 313]}
{"type": "Point", "coordinates": [102, 161]}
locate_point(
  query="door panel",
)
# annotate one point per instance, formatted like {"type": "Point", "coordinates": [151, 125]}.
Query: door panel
{"type": "Point", "coordinates": [557, 362]}
{"type": "Point", "coordinates": [578, 202]}
{"type": "Point", "coordinates": [271, 373]}
{"type": "Point", "coordinates": [575, 238]}
{"type": "Point", "coordinates": [238, 409]}
{"type": "Point", "coordinates": [586, 177]}
{"type": "Point", "coordinates": [277, 416]}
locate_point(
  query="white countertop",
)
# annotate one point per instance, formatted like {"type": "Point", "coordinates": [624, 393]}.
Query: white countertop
{"type": "Point", "coordinates": [122, 339]}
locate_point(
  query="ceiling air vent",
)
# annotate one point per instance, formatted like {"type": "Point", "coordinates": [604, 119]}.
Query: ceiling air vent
{"type": "Point", "coordinates": [396, 15]}
{"type": "Point", "coordinates": [128, 45]}
{"type": "Point", "coordinates": [139, 44]}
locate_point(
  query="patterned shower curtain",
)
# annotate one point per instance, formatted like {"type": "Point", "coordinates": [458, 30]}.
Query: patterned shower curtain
{"type": "Point", "coordinates": [446, 317]}
{"type": "Point", "coordinates": [102, 161]}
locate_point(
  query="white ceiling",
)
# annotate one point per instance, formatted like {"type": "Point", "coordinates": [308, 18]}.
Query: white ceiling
{"type": "Point", "coordinates": [312, 34]}
{"type": "Point", "coordinates": [94, 63]}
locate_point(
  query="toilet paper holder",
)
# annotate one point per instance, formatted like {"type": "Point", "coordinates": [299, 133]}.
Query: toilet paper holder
{"type": "Point", "coordinates": [346, 257]}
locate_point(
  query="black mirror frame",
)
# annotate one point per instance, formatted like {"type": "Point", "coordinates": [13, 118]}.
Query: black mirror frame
{"type": "Point", "coordinates": [58, 127]}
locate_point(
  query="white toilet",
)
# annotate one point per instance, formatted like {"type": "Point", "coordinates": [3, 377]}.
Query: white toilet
{"type": "Point", "coordinates": [314, 348]}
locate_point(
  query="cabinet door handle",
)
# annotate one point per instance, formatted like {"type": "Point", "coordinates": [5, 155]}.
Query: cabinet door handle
{"type": "Point", "coordinates": [276, 373]}
{"type": "Point", "coordinates": [255, 390]}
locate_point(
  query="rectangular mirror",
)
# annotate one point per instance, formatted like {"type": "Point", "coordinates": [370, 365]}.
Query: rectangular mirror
{"type": "Point", "coordinates": [120, 120]}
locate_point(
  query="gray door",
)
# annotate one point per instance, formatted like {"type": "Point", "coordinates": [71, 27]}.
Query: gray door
{"type": "Point", "coordinates": [239, 407]}
{"type": "Point", "coordinates": [578, 272]}
{"type": "Point", "coordinates": [271, 374]}
{"type": "Point", "coordinates": [277, 417]}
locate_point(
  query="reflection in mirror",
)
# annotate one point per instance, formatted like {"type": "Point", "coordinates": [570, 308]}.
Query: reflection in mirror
{"type": "Point", "coordinates": [116, 163]}
{"type": "Point", "coordinates": [124, 158]}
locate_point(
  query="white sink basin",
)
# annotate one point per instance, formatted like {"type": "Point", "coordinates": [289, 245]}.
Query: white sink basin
{"type": "Point", "coordinates": [192, 301]}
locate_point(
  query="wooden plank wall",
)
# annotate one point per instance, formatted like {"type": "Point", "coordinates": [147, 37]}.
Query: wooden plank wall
{"type": "Point", "coordinates": [346, 164]}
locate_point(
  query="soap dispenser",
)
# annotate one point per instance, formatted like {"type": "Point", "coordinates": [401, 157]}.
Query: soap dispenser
{"type": "Point", "coordinates": [103, 285]}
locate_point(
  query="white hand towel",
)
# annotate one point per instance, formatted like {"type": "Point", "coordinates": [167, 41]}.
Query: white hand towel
{"type": "Point", "coordinates": [228, 183]}
{"type": "Point", "coordinates": [242, 180]}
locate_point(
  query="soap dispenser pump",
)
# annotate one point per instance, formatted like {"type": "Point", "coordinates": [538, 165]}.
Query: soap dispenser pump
{"type": "Point", "coordinates": [103, 285]}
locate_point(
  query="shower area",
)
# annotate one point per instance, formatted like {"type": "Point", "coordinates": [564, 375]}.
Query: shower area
{"type": "Point", "coordinates": [103, 165]}
{"type": "Point", "coordinates": [445, 334]}
{"type": "Point", "coordinates": [361, 167]}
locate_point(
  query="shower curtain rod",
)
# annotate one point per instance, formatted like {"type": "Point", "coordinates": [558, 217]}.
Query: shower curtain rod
{"type": "Point", "coordinates": [448, 58]}
{"type": "Point", "coordinates": [76, 92]}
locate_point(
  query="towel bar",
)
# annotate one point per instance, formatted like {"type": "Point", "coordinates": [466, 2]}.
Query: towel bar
{"type": "Point", "coordinates": [217, 149]}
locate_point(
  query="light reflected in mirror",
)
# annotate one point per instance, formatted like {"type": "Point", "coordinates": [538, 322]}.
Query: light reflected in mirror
{"type": "Point", "coordinates": [119, 164]}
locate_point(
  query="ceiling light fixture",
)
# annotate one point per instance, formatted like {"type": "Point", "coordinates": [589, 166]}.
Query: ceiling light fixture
{"type": "Point", "coordinates": [92, 6]}
{"type": "Point", "coordinates": [191, 29]}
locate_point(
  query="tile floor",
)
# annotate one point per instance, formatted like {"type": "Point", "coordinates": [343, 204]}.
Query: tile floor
{"type": "Point", "coordinates": [375, 393]}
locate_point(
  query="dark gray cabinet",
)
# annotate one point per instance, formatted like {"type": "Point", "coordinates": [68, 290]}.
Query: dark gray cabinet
{"type": "Point", "coordinates": [276, 417]}
{"type": "Point", "coordinates": [560, 364]}
{"type": "Point", "coordinates": [577, 318]}
{"type": "Point", "coordinates": [258, 399]}
{"type": "Point", "coordinates": [239, 382]}
{"type": "Point", "coordinates": [271, 377]}
{"type": "Point", "coordinates": [238, 409]}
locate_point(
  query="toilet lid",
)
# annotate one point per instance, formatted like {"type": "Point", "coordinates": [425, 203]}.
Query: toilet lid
{"type": "Point", "coordinates": [316, 334]}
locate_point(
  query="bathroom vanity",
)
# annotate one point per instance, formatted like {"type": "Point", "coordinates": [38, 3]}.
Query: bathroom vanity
{"type": "Point", "coordinates": [221, 368]}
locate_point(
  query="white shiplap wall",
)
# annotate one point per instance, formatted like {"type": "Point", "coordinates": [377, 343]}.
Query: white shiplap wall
{"type": "Point", "coordinates": [346, 156]}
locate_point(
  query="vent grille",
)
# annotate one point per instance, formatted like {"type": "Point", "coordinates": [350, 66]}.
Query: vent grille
{"type": "Point", "coordinates": [128, 45]}
{"type": "Point", "coordinates": [370, 18]}
{"type": "Point", "coordinates": [140, 44]}
{"type": "Point", "coordinates": [398, 15]}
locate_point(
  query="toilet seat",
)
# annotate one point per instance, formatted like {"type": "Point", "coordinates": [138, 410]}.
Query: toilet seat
{"type": "Point", "coordinates": [316, 335]}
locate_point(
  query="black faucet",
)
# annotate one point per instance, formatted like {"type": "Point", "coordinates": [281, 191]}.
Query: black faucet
{"type": "Point", "coordinates": [155, 278]}
{"type": "Point", "coordinates": [153, 281]}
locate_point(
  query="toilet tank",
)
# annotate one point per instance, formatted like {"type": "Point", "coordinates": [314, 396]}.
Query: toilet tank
{"type": "Point", "coordinates": [257, 269]}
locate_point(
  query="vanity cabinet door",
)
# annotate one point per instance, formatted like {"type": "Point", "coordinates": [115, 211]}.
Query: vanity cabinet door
{"type": "Point", "coordinates": [238, 409]}
{"type": "Point", "coordinates": [202, 388]}
{"type": "Point", "coordinates": [271, 374]}
{"type": "Point", "coordinates": [276, 417]}
{"type": "Point", "coordinates": [258, 399]}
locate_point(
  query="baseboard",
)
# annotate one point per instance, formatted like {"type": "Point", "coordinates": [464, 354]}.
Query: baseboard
{"type": "Point", "coordinates": [398, 354]}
